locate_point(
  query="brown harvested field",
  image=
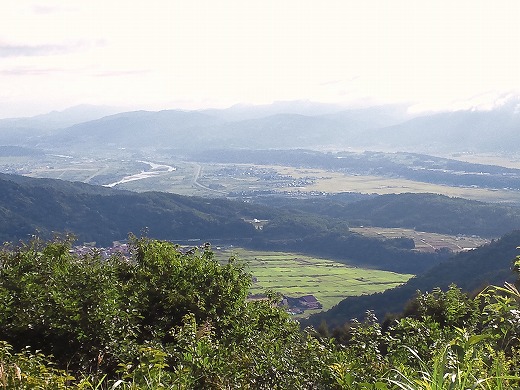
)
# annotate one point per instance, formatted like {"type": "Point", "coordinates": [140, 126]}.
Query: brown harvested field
{"type": "Point", "coordinates": [203, 179]}
{"type": "Point", "coordinates": [509, 161]}
{"type": "Point", "coordinates": [424, 241]}
{"type": "Point", "coordinates": [334, 182]}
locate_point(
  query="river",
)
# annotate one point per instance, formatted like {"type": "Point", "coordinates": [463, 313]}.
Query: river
{"type": "Point", "coordinates": [155, 170]}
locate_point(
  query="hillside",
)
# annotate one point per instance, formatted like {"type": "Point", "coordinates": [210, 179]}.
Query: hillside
{"type": "Point", "coordinates": [422, 212]}
{"type": "Point", "coordinates": [318, 226]}
{"type": "Point", "coordinates": [103, 215]}
{"type": "Point", "coordinates": [454, 131]}
{"type": "Point", "coordinates": [471, 271]}
{"type": "Point", "coordinates": [280, 125]}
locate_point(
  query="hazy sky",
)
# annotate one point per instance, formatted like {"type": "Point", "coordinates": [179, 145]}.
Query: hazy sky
{"type": "Point", "coordinates": [158, 54]}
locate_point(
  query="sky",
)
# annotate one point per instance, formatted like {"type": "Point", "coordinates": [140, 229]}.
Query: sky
{"type": "Point", "coordinates": [162, 54]}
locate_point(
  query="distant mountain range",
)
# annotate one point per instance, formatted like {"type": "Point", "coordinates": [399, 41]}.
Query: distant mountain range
{"type": "Point", "coordinates": [496, 130]}
{"type": "Point", "coordinates": [28, 131]}
{"type": "Point", "coordinates": [280, 125]}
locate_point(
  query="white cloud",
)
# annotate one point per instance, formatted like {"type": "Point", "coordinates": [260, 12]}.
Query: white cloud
{"type": "Point", "coordinates": [9, 50]}
{"type": "Point", "coordinates": [153, 53]}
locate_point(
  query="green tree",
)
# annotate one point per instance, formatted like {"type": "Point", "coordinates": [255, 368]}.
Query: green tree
{"type": "Point", "coordinates": [179, 318]}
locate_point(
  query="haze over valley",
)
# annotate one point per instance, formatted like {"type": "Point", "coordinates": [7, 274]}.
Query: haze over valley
{"type": "Point", "coordinates": [260, 194]}
{"type": "Point", "coordinates": [343, 177]}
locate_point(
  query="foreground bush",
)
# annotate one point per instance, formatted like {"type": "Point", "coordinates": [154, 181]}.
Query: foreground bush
{"type": "Point", "coordinates": [167, 319]}
{"type": "Point", "coordinates": [181, 314]}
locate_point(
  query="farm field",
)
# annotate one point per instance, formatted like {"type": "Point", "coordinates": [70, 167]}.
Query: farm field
{"type": "Point", "coordinates": [219, 180]}
{"type": "Point", "coordinates": [296, 275]}
{"type": "Point", "coordinates": [424, 241]}
{"type": "Point", "coordinates": [509, 160]}
{"type": "Point", "coordinates": [335, 182]}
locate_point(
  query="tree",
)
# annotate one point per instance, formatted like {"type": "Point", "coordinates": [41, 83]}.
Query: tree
{"type": "Point", "coordinates": [181, 313]}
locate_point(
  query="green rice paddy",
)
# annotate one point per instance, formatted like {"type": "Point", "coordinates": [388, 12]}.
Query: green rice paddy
{"type": "Point", "coordinates": [295, 275]}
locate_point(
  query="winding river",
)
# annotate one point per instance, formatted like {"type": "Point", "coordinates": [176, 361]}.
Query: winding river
{"type": "Point", "coordinates": [155, 170]}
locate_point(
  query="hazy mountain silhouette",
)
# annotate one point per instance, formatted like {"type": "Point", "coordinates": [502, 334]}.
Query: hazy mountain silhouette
{"type": "Point", "coordinates": [280, 125]}
{"type": "Point", "coordinates": [60, 119]}
{"type": "Point", "coordinates": [485, 131]}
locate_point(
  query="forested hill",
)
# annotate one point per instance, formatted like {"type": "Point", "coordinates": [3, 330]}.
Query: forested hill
{"type": "Point", "coordinates": [471, 271]}
{"type": "Point", "coordinates": [435, 213]}
{"type": "Point", "coordinates": [422, 212]}
{"type": "Point", "coordinates": [104, 215]}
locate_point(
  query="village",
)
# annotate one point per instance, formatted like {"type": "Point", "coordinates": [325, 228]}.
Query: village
{"type": "Point", "coordinates": [292, 305]}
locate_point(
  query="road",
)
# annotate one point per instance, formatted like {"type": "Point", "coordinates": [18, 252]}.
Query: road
{"type": "Point", "coordinates": [195, 181]}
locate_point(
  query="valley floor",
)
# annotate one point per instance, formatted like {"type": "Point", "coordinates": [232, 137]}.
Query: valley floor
{"type": "Point", "coordinates": [295, 275]}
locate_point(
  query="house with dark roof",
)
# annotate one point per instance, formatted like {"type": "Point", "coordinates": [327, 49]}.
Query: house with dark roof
{"type": "Point", "coordinates": [310, 302]}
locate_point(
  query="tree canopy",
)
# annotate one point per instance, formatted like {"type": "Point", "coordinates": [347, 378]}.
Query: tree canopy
{"type": "Point", "coordinates": [168, 317]}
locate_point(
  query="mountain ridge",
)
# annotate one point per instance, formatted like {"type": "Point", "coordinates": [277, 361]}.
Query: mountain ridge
{"type": "Point", "coordinates": [282, 125]}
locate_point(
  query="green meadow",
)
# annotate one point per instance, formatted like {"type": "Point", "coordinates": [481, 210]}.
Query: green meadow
{"type": "Point", "coordinates": [295, 275]}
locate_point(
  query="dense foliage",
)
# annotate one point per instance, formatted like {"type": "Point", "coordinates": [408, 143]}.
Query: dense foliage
{"type": "Point", "coordinates": [168, 319]}
{"type": "Point", "coordinates": [162, 316]}
{"type": "Point", "coordinates": [471, 270]}
{"type": "Point", "coordinates": [104, 215]}
{"type": "Point", "coordinates": [422, 212]}
{"type": "Point", "coordinates": [95, 213]}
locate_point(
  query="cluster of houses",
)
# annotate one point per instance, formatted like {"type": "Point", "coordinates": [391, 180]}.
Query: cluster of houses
{"type": "Point", "coordinates": [117, 249]}
{"type": "Point", "coordinates": [296, 305]}
{"type": "Point", "coordinates": [257, 223]}
{"type": "Point", "coordinates": [300, 304]}
{"type": "Point", "coordinates": [293, 305]}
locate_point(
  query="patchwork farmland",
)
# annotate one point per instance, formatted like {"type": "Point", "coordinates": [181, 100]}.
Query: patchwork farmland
{"type": "Point", "coordinates": [424, 241]}
{"type": "Point", "coordinates": [296, 275]}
